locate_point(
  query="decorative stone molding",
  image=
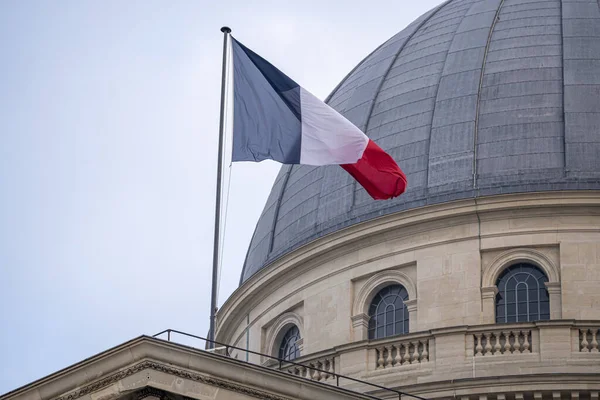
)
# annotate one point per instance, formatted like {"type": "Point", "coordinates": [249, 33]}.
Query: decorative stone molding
{"type": "Point", "coordinates": [362, 301]}
{"type": "Point", "coordinates": [514, 256]}
{"type": "Point", "coordinates": [510, 257]}
{"type": "Point", "coordinates": [275, 332]}
{"type": "Point", "coordinates": [378, 282]}
{"type": "Point", "coordinates": [144, 365]}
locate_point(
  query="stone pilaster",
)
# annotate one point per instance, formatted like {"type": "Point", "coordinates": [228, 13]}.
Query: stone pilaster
{"type": "Point", "coordinates": [411, 306]}
{"type": "Point", "coordinates": [554, 293]}
{"type": "Point", "coordinates": [360, 326]}
{"type": "Point", "coordinates": [488, 300]}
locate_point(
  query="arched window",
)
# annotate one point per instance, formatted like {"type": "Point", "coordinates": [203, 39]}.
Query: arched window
{"type": "Point", "coordinates": [388, 315]}
{"type": "Point", "coordinates": [289, 349]}
{"type": "Point", "coordinates": [522, 294]}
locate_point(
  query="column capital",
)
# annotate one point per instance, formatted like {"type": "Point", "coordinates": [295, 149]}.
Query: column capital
{"type": "Point", "coordinates": [360, 320]}
{"type": "Point", "coordinates": [553, 287]}
{"type": "Point", "coordinates": [411, 305]}
{"type": "Point", "coordinates": [489, 292]}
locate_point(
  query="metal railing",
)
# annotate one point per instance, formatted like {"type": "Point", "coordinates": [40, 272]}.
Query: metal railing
{"type": "Point", "coordinates": [281, 362]}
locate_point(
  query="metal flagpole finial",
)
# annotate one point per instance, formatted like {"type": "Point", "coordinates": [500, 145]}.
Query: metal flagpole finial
{"type": "Point", "coordinates": [226, 29]}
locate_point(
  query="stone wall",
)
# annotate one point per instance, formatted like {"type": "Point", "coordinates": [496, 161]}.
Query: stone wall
{"type": "Point", "coordinates": [449, 256]}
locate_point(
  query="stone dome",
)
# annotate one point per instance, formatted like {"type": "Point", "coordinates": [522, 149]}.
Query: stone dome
{"type": "Point", "coordinates": [474, 98]}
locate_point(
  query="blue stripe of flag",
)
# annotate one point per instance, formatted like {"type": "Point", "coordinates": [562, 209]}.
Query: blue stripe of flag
{"type": "Point", "coordinates": [267, 111]}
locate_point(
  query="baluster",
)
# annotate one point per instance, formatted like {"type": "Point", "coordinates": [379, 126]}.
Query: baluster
{"type": "Point", "coordinates": [478, 347]}
{"type": "Point", "coordinates": [488, 344]}
{"type": "Point", "coordinates": [414, 353]}
{"type": "Point", "coordinates": [325, 369]}
{"type": "Point", "coordinates": [517, 344]}
{"type": "Point", "coordinates": [304, 372]}
{"type": "Point", "coordinates": [389, 359]}
{"type": "Point", "coordinates": [497, 346]}
{"type": "Point", "coordinates": [506, 344]}
{"type": "Point", "coordinates": [425, 354]}
{"type": "Point", "coordinates": [406, 355]}
{"type": "Point", "coordinates": [380, 359]}
{"type": "Point", "coordinates": [584, 341]}
{"type": "Point", "coordinates": [331, 367]}
{"type": "Point", "coordinates": [419, 350]}
{"type": "Point", "coordinates": [311, 371]}
{"type": "Point", "coordinates": [526, 342]}
{"type": "Point", "coordinates": [594, 342]}
{"type": "Point", "coordinates": [317, 371]}
{"type": "Point", "coordinates": [398, 358]}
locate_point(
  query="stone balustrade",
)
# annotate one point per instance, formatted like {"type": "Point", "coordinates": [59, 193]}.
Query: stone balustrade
{"type": "Point", "coordinates": [402, 352]}
{"type": "Point", "coordinates": [459, 353]}
{"type": "Point", "coordinates": [588, 339]}
{"type": "Point", "coordinates": [536, 395]}
{"type": "Point", "coordinates": [320, 369]}
{"type": "Point", "coordinates": [502, 342]}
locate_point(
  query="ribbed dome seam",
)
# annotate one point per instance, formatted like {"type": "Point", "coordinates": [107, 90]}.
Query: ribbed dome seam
{"type": "Point", "coordinates": [476, 130]}
{"type": "Point", "coordinates": [385, 75]}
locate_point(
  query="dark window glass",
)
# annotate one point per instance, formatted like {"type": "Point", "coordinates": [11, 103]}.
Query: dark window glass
{"type": "Point", "coordinates": [289, 349]}
{"type": "Point", "coordinates": [522, 294]}
{"type": "Point", "coordinates": [388, 313]}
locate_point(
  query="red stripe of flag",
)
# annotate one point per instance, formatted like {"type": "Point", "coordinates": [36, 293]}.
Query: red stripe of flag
{"type": "Point", "coordinates": [378, 173]}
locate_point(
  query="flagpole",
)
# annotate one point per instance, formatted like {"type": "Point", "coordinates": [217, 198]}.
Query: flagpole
{"type": "Point", "coordinates": [215, 270]}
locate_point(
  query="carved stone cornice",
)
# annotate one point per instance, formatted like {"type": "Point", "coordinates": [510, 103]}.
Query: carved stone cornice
{"type": "Point", "coordinates": [196, 377]}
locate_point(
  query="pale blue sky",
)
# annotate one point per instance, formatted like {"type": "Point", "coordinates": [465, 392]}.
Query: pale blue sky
{"type": "Point", "coordinates": [108, 129]}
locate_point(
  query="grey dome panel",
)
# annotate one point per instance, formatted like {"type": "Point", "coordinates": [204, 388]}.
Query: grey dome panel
{"type": "Point", "coordinates": [474, 98]}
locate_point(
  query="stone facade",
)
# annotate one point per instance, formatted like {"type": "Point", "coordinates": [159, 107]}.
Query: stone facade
{"type": "Point", "coordinates": [448, 257]}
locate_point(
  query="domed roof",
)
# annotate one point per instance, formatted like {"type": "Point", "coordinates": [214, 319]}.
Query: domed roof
{"type": "Point", "coordinates": [474, 98]}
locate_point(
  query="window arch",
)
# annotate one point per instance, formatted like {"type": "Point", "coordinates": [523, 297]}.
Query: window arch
{"type": "Point", "coordinates": [388, 314]}
{"type": "Point", "coordinates": [522, 294]}
{"type": "Point", "coordinates": [289, 348]}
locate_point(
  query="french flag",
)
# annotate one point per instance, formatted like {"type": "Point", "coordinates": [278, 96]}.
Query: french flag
{"type": "Point", "coordinates": [275, 118]}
